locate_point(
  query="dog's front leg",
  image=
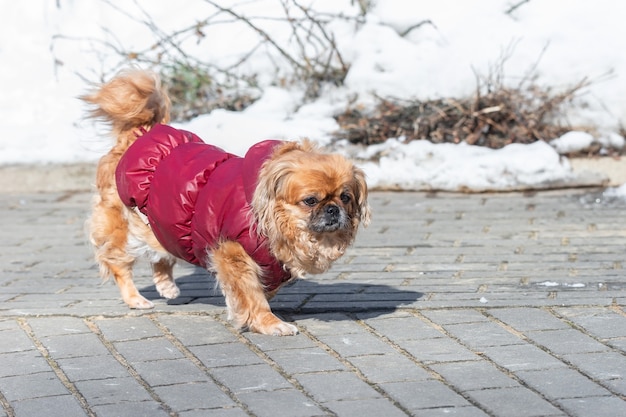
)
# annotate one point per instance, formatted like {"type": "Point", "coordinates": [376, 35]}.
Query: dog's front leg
{"type": "Point", "coordinates": [239, 278]}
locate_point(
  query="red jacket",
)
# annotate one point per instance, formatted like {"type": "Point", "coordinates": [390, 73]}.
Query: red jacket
{"type": "Point", "coordinates": [195, 194]}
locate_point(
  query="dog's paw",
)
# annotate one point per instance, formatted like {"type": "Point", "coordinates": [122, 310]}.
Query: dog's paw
{"type": "Point", "coordinates": [271, 325]}
{"type": "Point", "coordinates": [284, 329]}
{"type": "Point", "coordinates": [139, 302]}
{"type": "Point", "coordinates": [168, 289]}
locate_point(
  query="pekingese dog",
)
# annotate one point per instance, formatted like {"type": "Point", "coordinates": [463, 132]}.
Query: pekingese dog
{"type": "Point", "coordinates": [283, 210]}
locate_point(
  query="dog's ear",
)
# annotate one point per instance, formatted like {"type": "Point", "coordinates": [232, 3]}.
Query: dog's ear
{"type": "Point", "coordinates": [360, 193]}
{"type": "Point", "coordinates": [270, 182]}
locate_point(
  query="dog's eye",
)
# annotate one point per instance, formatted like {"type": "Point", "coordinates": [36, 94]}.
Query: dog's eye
{"type": "Point", "coordinates": [310, 201]}
{"type": "Point", "coordinates": [345, 198]}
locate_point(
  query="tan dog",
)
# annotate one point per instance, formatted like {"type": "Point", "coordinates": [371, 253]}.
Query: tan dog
{"type": "Point", "coordinates": [283, 210]}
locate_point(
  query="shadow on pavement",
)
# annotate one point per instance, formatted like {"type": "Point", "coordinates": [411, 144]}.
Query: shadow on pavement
{"type": "Point", "coordinates": [300, 297]}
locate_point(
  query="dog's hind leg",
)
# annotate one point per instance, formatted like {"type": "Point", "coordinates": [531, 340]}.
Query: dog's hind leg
{"type": "Point", "coordinates": [239, 278]}
{"type": "Point", "coordinates": [164, 278]}
{"type": "Point", "coordinates": [108, 233]}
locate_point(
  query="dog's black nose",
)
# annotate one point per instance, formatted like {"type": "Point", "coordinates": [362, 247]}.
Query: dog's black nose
{"type": "Point", "coordinates": [329, 219]}
{"type": "Point", "coordinates": [332, 210]}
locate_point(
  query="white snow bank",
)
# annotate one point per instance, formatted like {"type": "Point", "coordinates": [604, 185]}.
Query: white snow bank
{"type": "Point", "coordinates": [422, 165]}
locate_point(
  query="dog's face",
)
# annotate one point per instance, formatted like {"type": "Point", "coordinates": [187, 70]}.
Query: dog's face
{"type": "Point", "coordinates": [322, 196]}
{"type": "Point", "coordinates": [310, 205]}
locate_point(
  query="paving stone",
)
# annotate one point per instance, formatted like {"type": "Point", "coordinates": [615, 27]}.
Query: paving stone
{"type": "Point", "coordinates": [522, 358]}
{"type": "Point", "coordinates": [169, 371]}
{"type": "Point", "coordinates": [248, 378]}
{"type": "Point", "coordinates": [602, 323]}
{"type": "Point", "coordinates": [57, 406]}
{"type": "Point", "coordinates": [91, 367]}
{"type": "Point", "coordinates": [148, 350]}
{"type": "Point", "coordinates": [514, 402]}
{"type": "Point", "coordinates": [112, 391]}
{"type": "Point", "coordinates": [329, 323]}
{"type": "Point", "coordinates": [550, 383]}
{"type": "Point", "coordinates": [473, 375]}
{"type": "Point", "coordinates": [470, 411]}
{"type": "Point", "coordinates": [269, 343]}
{"type": "Point", "coordinates": [419, 395]}
{"type": "Point", "coordinates": [601, 365]}
{"type": "Point", "coordinates": [285, 403]}
{"type": "Point", "coordinates": [74, 345]}
{"type": "Point", "coordinates": [22, 363]}
{"type": "Point", "coordinates": [594, 406]}
{"type": "Point", "coordinates": [193, 331]}
{"type": "Point", "coordinates": [364, 407]}
{"type": "Point", "coordinates": [528, 319]}
{"type": "Point", "coordinates": [54, 326]}
{"type": "Point", "coordinates": [225, 354]}
{"type": "Point", "coordinates": [15, 340]}
{"type": "Point", "coordinates": [336, 386]}
{"type": "Point", "coordinates": [403, 328]}
{"type": "Point", "coordinates": [443, 317]}
{"type": "Point", "coordinates": [438, 350]}
{"type": "Point", "coordinates": [297, 361]}
{"type": "Point", "coordinates": [134, 408]}
{"type": "Point", "coordinates": [480, 335]}
{"type": "Point", "coordinates": [23, 387]}
{"type": "Point", "coordinates": [194, 396]}
{"type": "Point", "coordinates": [389, 367]}
{"type": "Point", "coordinates": [215, 412]}
{"type": "Point", "coordinates": [356, 344]}
{"type": "Point", "coordinates": [128, 328]}
{"type": "Point", "coordinates": [567, 341]}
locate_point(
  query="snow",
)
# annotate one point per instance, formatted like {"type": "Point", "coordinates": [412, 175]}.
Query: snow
{"type": "Point", "coordinates": [49, 49]}
{"type": "Point", "coordinates": [572, 142]}
{"type": "Point", "coordinates": [460, 167]}
{"type": "Point", "coordinates": [615, 192]}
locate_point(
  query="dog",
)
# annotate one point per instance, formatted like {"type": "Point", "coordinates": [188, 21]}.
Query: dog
{"type": "Point", "coordinates": [282, 211]}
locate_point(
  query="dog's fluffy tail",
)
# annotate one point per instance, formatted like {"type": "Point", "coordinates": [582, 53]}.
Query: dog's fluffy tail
{"type": "Point", "coordinates": [133, 99]}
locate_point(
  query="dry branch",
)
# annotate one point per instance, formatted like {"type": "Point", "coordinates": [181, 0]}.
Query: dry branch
{"type": "Point", "coordinates": [494, 117]}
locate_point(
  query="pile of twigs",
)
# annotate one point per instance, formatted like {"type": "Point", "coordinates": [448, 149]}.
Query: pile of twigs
{"type": "Point", "coordinates": [494, 116]}
{"type": "Point", "coordinates": [194, 91]}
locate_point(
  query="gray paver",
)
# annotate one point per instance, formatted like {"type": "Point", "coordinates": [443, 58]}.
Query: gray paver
{"type": "Point", "coordinates": [91, 368]}
{"type": "Point", "coordinates": [134, 408]}
{"type": "Point", "coordinates": [448, 304]}
{"type": "Point", "coordinates": [298, 361]}
{"type": "Point", "coordinates": [550, 383]}
{"type": "Point", "coordinates": [390, 367]}
{"type": "Point", "coordinates": [171, 371]}
{"type": "Point", "coordinates": [364, 407]}
{"type": "Point", "coordinates": [336, 386]}
{"type": "Point", "coordinates": [24, 387]}
{"type": "Point", "coordinates": [594, 406]}
{"type": "Point", "coordinates": [193, 396]}
{"type": "Point", "coordinates": [112, 391]}
{"type": "Point", "coordinates": [428, 394]}
{"type": "Point", "coordinates": [145, 350]}
{"type": "Point", "coordinates": [285, 403]}
{"type": "Point", "coordinates": [249, 378]}
{"type": "Point", "coordinates": [522, 358]}
{"type": "Point", "coordinates": [567, 341]}
{"type": "Point", "coordinates": [225, 354]}
{"type": "Point", "coordinates": [62, 405]}
{"type": "Point", "coordinates": [515, 402]}
{"type": "Point", "coordinates": [474, 375]}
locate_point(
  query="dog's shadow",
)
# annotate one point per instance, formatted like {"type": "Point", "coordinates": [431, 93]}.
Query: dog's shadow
{"type": "Point", "coordinates": [303, 296]}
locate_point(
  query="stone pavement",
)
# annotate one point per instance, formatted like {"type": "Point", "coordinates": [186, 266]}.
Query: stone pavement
{"type": "Point", "coordinates": [448, 304]}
